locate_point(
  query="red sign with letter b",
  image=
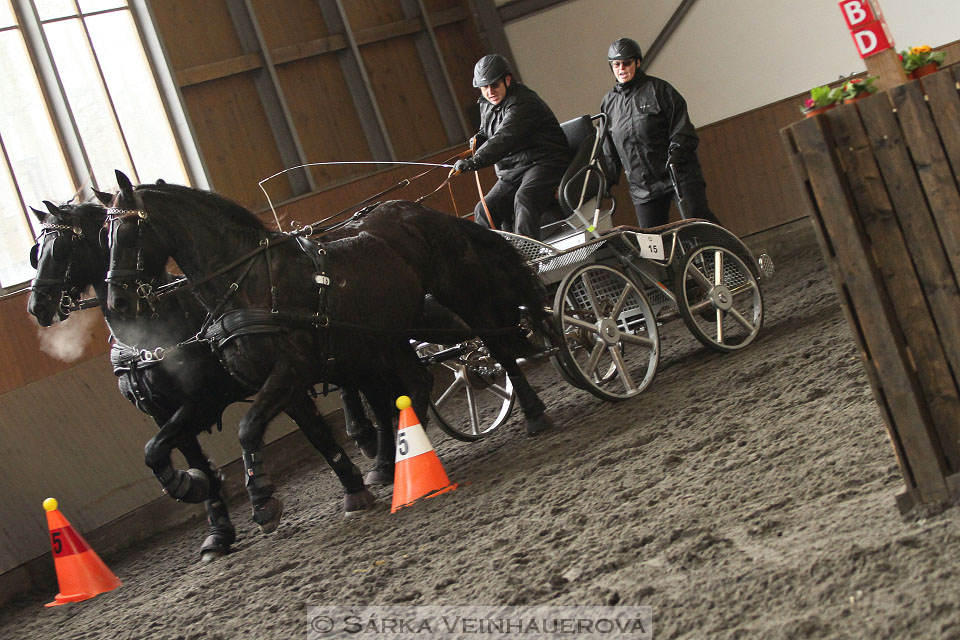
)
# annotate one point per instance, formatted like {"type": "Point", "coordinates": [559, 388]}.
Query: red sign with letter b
{"type": "Point", "coordinates": [867, 27]}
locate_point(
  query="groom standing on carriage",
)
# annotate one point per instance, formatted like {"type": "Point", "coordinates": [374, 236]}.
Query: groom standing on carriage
{"type": "Point", "coordinates": [521, 135]}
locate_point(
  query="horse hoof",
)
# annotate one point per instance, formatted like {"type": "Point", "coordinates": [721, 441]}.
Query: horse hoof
{"type": "Point", "coordinates": [379, 477]}
{"type": "Point", "coordinates": [267, 515]}
{"type": "Point", "coordinates": [355, 504]}
{"type": "Point", "coordinates": [209, 555]}
{"type": "Point", "coordinates": [538, 425]}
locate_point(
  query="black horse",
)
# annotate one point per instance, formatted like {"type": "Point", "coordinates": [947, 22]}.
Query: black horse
{"type": "Point", "coordinates": [184, 389]}
{"type": "Point", "coordinates": [288, 313]}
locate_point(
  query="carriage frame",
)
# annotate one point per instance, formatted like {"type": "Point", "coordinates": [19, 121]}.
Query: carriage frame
{"type": "Point", "coordinates": [609, 291]}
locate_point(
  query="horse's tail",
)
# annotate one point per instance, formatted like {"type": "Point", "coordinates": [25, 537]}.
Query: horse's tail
{"type": "Point", "coordinates": [513, 283]}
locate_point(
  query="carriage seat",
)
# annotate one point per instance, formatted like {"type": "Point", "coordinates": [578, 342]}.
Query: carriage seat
{"type": "Point", "coordinates": [561, 219]}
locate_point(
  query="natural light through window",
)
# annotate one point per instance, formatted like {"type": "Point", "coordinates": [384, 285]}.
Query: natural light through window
{"type": "Point", "coordinates": [79, 100]}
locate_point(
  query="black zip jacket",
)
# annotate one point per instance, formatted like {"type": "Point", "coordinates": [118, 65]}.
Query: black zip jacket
{"type": "Point", "coordinates": [649, 128]}
{"type": "Point", "coordinates": [520, 131]}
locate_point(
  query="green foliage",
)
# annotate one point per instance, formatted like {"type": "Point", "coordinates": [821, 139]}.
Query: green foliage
{"type": "Point", "coordinates": [916, 57]}
{"type": "Point", "coordinates": [859, 86]}
{"type": "Point", "coordinates": [822, 97]}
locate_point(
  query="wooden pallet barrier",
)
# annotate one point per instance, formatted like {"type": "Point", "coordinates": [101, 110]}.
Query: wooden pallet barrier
{"type": "Point", "coordinates": [882, 178]}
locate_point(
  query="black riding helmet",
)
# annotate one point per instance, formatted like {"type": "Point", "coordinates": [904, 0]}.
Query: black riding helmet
{"type": "Point", "coordinates": [490, 69]}
{"type": "Point", "coordinates": [624, 49]}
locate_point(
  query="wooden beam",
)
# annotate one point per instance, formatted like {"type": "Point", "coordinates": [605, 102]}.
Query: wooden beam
{"type": "Point", "coordinates": [301, 50]}
{"type": "Point", "coordinates": [219, 69]}
{"type": "Point", "coordinates": [665, 34]}
{"type": "Point", "coordinates": [319, 46]}
{"type": "Point", "coordinates": [408, 27]}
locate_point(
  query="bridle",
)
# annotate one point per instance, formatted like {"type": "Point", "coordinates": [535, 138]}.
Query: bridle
{"type": "Point", "coordinates": [70, 300]}
{"type": "Point", "coordinates": [146, 290]}
{"type": "Point", "coordinates": [122, 277]}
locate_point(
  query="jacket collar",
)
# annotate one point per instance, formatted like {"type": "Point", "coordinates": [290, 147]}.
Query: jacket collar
{"type": "Point", "coordinates": [635, 81]}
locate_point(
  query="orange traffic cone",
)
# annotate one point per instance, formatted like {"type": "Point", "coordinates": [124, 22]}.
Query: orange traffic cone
{"type": "Point", "coordinates": [418, 472]}
{"type": "Point", "coordinates": [80, 571]}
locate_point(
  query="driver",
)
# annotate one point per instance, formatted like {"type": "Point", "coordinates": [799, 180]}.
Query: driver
{"type": "Point", "coordinates": [519, 133]}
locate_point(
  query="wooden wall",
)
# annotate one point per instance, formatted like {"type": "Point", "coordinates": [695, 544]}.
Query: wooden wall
{"type": "Point", "coordinates": [23, 359]}
{"type": "Point", "coordinates": [299, 82]}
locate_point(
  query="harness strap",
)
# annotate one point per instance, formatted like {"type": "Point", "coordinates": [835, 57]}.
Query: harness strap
{"type": "Point", "coordinates": [125, 358]}
{"type": "Point", "coordinates": [226, 296]}
{"type": "Point", "coordinates": [273, 287]}
{"type": "Point", "coordinates": [240, 322]}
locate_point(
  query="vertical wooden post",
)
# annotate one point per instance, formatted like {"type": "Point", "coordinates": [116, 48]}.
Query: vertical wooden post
{"type": "Point", "coordinates": [887, 67]}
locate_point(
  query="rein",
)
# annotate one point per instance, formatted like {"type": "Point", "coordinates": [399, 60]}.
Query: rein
{"type": "Point", "coordinates": [406, 182]}
{"type": "Point", "coordinates": [219, 329]}
{"type": "Point", "coordinates": [151, 294]}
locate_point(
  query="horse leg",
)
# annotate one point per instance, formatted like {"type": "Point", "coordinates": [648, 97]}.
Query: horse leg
{"type": "Point", "coordinates": [359, 427]}
{"type": "Point", "coordinates": [534, 410]}
{"type": "Point", "coordinates": [222, 534]}
{"type": "Point", "coordinates": [191, 486]}
{"type": "Point", "coordinates": [275, 393]}
{"type": "Point", "coordinates": [416, 381]}
{"type": "Point", "coordinates": [357, 497]}
{"type": "Point", "coordinates": [381, 402]}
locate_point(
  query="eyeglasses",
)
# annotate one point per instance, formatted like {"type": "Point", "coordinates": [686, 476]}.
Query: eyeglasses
{"type": "Point", "coordinates": [616, 64]}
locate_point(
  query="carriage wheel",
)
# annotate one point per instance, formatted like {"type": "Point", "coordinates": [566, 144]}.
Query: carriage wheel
{"type": "Point", "coordinates": [612, 346]}
{"type": "Point", "coordinates": [718, 298]}
{"type": "Point", "coordinates": [472, 395]}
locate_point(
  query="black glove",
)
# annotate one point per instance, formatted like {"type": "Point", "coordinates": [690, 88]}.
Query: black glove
{"type": "Point", "coordinates": [465, 164]}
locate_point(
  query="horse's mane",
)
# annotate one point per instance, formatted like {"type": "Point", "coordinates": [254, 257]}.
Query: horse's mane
{"type": "Point", "coordinates": [189, 197]}
{"type": "Point", "coordinates": [86, 213]}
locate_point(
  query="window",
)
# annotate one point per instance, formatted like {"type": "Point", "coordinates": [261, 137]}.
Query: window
{"type": "Point", "coordinates": [79, 101]}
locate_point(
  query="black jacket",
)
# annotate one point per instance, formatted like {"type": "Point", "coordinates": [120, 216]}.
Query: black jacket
{"type": "Point", "coordinates": [649, 128]}
{"type": "Point", "coordinates": [520, 131]}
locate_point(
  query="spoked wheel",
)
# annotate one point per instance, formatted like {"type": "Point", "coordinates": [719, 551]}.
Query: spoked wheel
{"type": "Point", "coordinates": [612, 346]}
{"type": "Point", "coordinates": [718, 298]}
{"type": "Point", "coordinates": [472, 395]}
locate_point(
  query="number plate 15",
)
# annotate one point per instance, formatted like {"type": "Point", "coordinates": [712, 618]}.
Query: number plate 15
{"type": "Point", "coordinates": [651, 245]}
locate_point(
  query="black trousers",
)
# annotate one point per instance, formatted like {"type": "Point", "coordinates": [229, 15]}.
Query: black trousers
{"type": "Point", "coordinates": [517, 206]}
{"type": "Point", "coordinates": [654, 213]}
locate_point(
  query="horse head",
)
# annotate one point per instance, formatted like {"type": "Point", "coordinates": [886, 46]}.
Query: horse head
{"type": "Point", "coordinates": [137, 255]}
{"type": "Point", "coordinates": [149, 224]}
{"type": "Point", "coordinates": [68, 258]}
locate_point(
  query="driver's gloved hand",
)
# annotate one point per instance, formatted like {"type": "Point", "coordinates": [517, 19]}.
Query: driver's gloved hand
{"type": "Point", "coordinates": [465, 164]}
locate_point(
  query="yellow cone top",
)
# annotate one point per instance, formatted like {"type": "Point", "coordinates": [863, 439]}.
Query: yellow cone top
{"type": "Point", "coordinates": [50, 504]}
{"type": "Point", "coordinates": [403, 402]}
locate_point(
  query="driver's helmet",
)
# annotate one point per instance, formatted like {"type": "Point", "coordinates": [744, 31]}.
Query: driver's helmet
{"type": "Point", "coordinates": [490, 69]}
{"type": "Point", "coordinates": [624, 49]}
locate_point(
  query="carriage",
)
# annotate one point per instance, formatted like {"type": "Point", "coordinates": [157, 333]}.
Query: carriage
{"type": "Point", "coordinates": [610, 288]}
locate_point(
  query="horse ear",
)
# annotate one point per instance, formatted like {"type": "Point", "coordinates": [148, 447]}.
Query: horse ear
{"type": "Point", "coordinates": [161, 181]}
{"type": "Point", "coordinates": [126, 187]}
{"type": "Point", "coordinates": [52, 208]}
{"type": "Point", "coordinates": [104, 197]}
{"type": "Point", "coordinates": [39, 214]}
